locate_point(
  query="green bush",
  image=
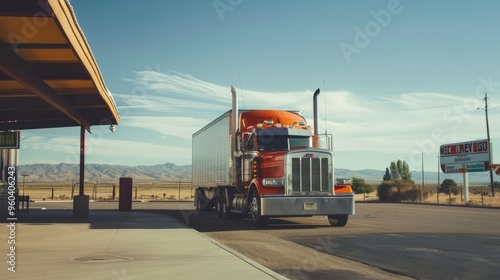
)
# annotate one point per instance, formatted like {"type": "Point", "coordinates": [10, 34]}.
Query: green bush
{"type": "Point", "coordinates": [368, 188]}
{"type": "Point", "coordinates": [412, 194]}
{"type": "Point", "coordinates": [399, 190]}
{"type": "Point", "coordinates": [384, 191]}
{"type": "Point", "coordinates": [447, 186]}
{"type": "Point", "coordinates": [359, 186]}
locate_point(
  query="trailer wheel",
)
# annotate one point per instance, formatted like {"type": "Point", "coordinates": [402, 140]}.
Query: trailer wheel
{"type": "Point", "coordinates": [338, 220]}
{"type": "Point", "coordinates": [203, 203]}
{"type": "Point", "coordinates": [254, 209]}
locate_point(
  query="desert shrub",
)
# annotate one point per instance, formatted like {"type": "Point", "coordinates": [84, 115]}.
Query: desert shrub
{"type": "Point", "coordinates": [426, 193]}
{"type": "Point", "coordinates": [411, 194]}
{"type": "Point", "coordinates": [359, 186]}
{"type": "Point", "coordinates": [384, 190]}
{"type": "Point", "coordinates": [397, 190]}
{"type": "Point", "coordinates": [449, 185]}
{"type": "Point", "coordinates": [429, 190]}
{"type": "Point", "coordinates": [368, 188]}
{"type": "Point", "coordinates": [477, 190]}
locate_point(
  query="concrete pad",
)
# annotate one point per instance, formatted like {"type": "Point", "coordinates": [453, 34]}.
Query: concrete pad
{"type": "Point", "coordinates": [120, 245]}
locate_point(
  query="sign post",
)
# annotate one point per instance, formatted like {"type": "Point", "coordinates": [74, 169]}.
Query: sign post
{"type": "Point", "coordinates": [466, 183]}
{"type": "Point", "coordinates": [464, 157]}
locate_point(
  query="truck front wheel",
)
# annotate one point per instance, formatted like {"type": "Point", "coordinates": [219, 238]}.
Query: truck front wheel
{"type": "Point", "coordinates": [338, 220]}
{"type": "Point", "coordinates": [254, 209]}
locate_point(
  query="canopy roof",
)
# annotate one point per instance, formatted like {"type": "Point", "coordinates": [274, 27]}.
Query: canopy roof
{"type": "Point", "coordinates": [48, 75]}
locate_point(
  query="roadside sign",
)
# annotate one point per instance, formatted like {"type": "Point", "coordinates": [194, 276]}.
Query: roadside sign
{"type": "Point", "coordinates": [472, 156]}
{"type": "Point", "coordinates": [9, 139]}
{"type": "Point", "coordinates": [496, 168]}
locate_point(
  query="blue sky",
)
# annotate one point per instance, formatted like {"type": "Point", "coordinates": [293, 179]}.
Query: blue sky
{"type": "Point", "coordinates": [398, 78]}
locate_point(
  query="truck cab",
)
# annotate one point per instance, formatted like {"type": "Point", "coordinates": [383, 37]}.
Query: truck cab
{"type": "Point", "coordinates": [288, 176]}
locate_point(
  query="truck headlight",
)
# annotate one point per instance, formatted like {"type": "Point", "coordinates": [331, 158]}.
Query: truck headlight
{"type": "Point", "coordinates": [343, 182]}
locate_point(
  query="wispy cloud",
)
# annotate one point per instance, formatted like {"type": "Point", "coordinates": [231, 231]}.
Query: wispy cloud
{"type": "Point", "coordinates": [176, 98]}
{"type": "Point", "coordinates": [183, 95]}
{"type": "Point", "coordinates": [174, 93]}
{"type": "Point", "coordinates": [170, 126]}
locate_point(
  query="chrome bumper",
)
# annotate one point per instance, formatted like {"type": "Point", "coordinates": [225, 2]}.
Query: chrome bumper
{"type": "Point", "coordinates": [307, 205]}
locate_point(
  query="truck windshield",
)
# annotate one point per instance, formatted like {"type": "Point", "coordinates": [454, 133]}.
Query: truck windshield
{"type": "Point", "coordinates": [281, 143]}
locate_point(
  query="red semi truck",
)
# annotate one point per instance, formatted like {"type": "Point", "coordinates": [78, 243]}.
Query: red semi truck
{"type": "Point", "coordinates": [268, 163]}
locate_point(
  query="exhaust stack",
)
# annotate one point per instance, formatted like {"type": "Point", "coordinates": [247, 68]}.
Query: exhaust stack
{"type": "Point", "coordinates": [233, 126]}
{"type": "Point", "coordinates": [315, 112]}
{"type": "Point", "coordinates": [234, 112]}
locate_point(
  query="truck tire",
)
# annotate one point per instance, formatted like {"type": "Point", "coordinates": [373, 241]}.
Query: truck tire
{"type": "Point", "coordinates": [254, 209]}
{"type": "Point", "coordinates": [203, 203]}
{"type": "Point", "coordinates": [338, 220]}
{"type": "Point", "coordinates": [222, 209]}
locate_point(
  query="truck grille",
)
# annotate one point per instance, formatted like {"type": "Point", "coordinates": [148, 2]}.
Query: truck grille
{"type": "Point", "coordinates": [310, 175]}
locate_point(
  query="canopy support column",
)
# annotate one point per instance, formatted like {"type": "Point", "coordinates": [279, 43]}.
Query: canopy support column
{"type": "Point", "coordinates": [82, 161]}
{"type": "Point", "coordinates": [81, 201]}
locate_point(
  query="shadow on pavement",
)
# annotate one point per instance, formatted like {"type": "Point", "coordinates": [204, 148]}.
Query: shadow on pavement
{"type": "Point", "coordinates": [101, 219]}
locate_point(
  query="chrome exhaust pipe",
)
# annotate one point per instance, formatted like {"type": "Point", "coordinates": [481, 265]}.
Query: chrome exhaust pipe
{"type": "Point", "coordinates": [315, 112]}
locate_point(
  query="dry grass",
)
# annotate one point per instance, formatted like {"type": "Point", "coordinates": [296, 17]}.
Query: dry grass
{"type": "Point", "coordinates": [476, 197]}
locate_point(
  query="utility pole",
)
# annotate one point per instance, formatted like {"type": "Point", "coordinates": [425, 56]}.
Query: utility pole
{"type": "Point", "coordinates": [489, 142]}
{"type": "Point", "coordinates": [423, 180]}
{"type": "Point", "coordinates": [439, 182]}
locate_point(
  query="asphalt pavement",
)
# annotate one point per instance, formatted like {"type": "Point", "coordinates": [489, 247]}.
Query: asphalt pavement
{"type": "Point", "coordinates": [110, 244]}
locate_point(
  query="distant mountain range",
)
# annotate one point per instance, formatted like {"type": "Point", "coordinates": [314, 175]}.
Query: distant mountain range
{"type": "Point", "coordinates": [172, 172]}
{"type": "Point", "coordinates": [104, 172]}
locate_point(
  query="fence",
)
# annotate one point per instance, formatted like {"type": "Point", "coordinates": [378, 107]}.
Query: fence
{"type": "Point", "coordinates": [478, 195]}
{"type": "Point", "coordinates": [183, 190]}
{"type": "Point", "coordinates": [169, 190]}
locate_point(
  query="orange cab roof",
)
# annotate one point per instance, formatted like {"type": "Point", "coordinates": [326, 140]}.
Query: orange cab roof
{"type": "Point", "coordinates": [249, 119]}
